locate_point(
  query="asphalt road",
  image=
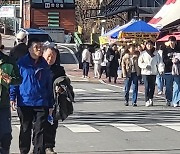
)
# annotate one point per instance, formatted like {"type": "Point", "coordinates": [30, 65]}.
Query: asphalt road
{"type": "Point", "coordinates": [102, 124]}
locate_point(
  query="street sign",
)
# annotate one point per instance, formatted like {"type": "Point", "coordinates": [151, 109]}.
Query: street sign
{"type": "Point", "coordinates": [7, 11]}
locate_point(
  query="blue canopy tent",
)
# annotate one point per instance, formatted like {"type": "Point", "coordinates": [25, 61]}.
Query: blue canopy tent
{"type": "Point", "coordinates": [135, 26]}
{"type": "Point", "coordinates": [111, 31]}
{"type": "Point", "coordinates": [121, 28]}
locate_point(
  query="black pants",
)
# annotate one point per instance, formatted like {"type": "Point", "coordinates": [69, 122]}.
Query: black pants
{"type": "Point", "coordinates": [149, 83]}
{"type": "Point", "coordinates": [103, 69]}
{"type": "Point", "coordinates": [28, 116]}
{"type": "Point", "coordinates": [85, 68]}
{"type": "Point", "coordinates": [5, 130]}
{"type": "Point", "coordinates": [50, 134]}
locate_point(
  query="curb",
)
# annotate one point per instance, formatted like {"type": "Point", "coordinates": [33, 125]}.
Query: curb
{"type": "Point", "coordinates": [7, 37]}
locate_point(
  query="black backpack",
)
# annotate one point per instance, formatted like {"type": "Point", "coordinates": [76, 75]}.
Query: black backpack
{"type": "Point", "coordinates": [64, 97]}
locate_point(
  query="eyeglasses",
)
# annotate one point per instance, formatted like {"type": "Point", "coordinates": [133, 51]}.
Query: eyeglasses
{"type": "Point", "coordinates": [36, 46]}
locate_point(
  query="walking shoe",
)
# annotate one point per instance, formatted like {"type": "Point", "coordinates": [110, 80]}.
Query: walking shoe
{"type": "Point", "coordinates": [126, 104]}
{"type": "Point", "coordinates": [160, 93]}
{"type": "Point", "coordinates": [168, 103]}
{"type": "Point", "coordinates": [151, 102]}
{"type": "Point", "coordinates": [175, 105]}
{"type": "Point", "coordinates": [134, 104]}
{"type": "Point", "coordinates": [50, 151]}
{"type": "Point", "coordinates": [148, 103]}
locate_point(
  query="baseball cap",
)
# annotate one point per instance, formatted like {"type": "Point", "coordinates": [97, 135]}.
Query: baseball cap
{"type": "Point", "coordinates": [21, 35]}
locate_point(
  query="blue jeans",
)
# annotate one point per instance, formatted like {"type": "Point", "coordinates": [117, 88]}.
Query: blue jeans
{"type": "Point", "coordinates": [160, 83]}
{"type": "Point", "coordinates": [85, 68]}
{"type": "Point", "coordinates": [149, 83]}
{"type": "Point", "coordinates": [168, 78]}
{"type": "Point", "coordinates": [176, 89]}
{"type": "Point", "coordinates": [133, 79]}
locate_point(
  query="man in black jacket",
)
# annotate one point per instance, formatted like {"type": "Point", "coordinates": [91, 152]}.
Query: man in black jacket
{"type": "Point", "coordinates": [21, 48]}
{"type": "Point", "coordinates": [50, 55]}
{"type": "Point", "coordinates": [167, 56]}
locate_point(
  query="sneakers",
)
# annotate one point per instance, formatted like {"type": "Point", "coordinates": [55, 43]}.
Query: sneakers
{"type": "Point", "coordinates": [126, 103]}
{"type": "Point", "coordinates": [175, 105]}
{"type": "Point", "coordinates": [149, 103]}
{"type": "Point", "coordinates": [134, 104]}
{"type": "Point", "coordinates": [160, 93]}
{"type": "Point", "coordinates": [168, 103]}
{"type": "Point", "coordinates": [50, 151]}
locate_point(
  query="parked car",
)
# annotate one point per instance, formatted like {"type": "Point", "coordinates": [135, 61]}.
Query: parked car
{"type": "Point", "coordinates": [42, 35]}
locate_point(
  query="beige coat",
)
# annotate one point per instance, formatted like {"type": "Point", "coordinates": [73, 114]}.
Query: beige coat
{"type": "Point", "coordinates": [126, 65]}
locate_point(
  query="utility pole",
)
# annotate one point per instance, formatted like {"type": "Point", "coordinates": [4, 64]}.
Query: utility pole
{"type": "Point", "coordinates": [21, 14]}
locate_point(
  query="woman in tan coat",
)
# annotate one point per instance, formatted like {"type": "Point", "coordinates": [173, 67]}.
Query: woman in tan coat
{"type": "Point", "coordinates": [130, 71]}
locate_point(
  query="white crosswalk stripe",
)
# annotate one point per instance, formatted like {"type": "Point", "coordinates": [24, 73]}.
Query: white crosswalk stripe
{"type": "Point", "coordinates": [130, 127]}
{"type": "Point", "coordinates": [104, 90]}
{"type": "Point", "coordinates": [174, 126]}
{"type": "Point", "coordinates": [81, 128]}
{"type": "Point", "coordinates": [79, 90]}
{"type": "Point", "coordinates": [84, 128]}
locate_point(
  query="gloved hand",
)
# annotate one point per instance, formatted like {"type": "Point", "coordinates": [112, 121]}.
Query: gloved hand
{"type": "Point", "coordinates": [50, 119]}
{"type": "Point", "coordinates": [148, 67]}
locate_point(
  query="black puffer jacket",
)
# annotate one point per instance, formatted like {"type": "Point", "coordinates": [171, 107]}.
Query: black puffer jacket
{"type": "Point", "coordinates": [18, 51]}
{"type": "Point", "coordinates": [167, 56]}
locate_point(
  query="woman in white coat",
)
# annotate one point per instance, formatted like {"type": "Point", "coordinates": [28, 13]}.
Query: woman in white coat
{"type": "Point", "coordinates": [151, 64]}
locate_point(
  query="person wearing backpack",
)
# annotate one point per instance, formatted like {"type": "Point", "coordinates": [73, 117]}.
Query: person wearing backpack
{"type": "Point", "coordinates": [51, 54]}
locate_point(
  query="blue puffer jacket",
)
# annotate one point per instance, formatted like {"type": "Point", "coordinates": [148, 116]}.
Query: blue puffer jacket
{"type": "Point", "coordinates": [36, 87]}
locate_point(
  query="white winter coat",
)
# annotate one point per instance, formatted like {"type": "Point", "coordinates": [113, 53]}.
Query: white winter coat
{"type": "Point", "coordinates": [86, 56]}
{"type": "Point", "coordinates": [150, 65]}
{"type": "Point", "coordinates": [97, 57]}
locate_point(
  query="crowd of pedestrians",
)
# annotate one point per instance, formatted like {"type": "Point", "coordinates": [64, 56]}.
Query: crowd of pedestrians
{"type": "Point", "coordinates": [28, 73]}
{"type": "Point", "coordinates": [140, 64]}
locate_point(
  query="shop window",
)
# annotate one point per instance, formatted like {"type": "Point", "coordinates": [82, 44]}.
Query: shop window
{"type": "Point", "coordinates": [48, 1]}
{"type": "Point", "coordinates": [68, 1]}
{"type": "Point", "coordinates": [36, 1]}
{"type": "Point", "coordinates": [58, 1]}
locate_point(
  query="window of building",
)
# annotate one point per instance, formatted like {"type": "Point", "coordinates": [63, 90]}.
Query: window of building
{"type": "Point", "coordinates": [37, 1]}
{"type": "Point", "coordinates": [143, 3]}
{"type": "Point", "coordinates": [68, 1]}
{"type": "Point", "coordinates": [58, 1]}
{"type": "Point", "coordinates": [151, 3]}
{"type": "Point", "coordinates": [48, 1]}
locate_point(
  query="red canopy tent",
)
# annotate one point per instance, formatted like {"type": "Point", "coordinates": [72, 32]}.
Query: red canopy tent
{"type": "Point", "coordinates": [165, 38]}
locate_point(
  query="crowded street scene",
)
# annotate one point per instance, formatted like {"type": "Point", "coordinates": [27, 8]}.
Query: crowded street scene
{"type": "Point", "coordinates": [89, 77]}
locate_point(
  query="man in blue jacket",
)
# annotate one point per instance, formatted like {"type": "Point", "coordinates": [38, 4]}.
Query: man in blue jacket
{"type": "Point", "coordinates": [34, 97]}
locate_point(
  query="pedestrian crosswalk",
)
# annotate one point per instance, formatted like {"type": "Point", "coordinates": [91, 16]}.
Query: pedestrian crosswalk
{"type": "Point", "coordinates": [81, 128]}
{"type": "Point", "coordinates": [123, 127]}
{"type": "Point", "coordinates": [174, 126]}
{"type": "Point", "coordinates": [79, 90]}
{"type": "Point", "coordinates": [130, 128]}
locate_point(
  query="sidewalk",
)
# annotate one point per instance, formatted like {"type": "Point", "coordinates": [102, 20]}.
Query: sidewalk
{"type": "Point", "coordinates": [7, 37]}
{"type": "Point", "coordinates": [75, 74]}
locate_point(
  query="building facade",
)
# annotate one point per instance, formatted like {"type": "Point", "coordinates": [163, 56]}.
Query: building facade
{"type": "Point", "coordinates": [49, 13]}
